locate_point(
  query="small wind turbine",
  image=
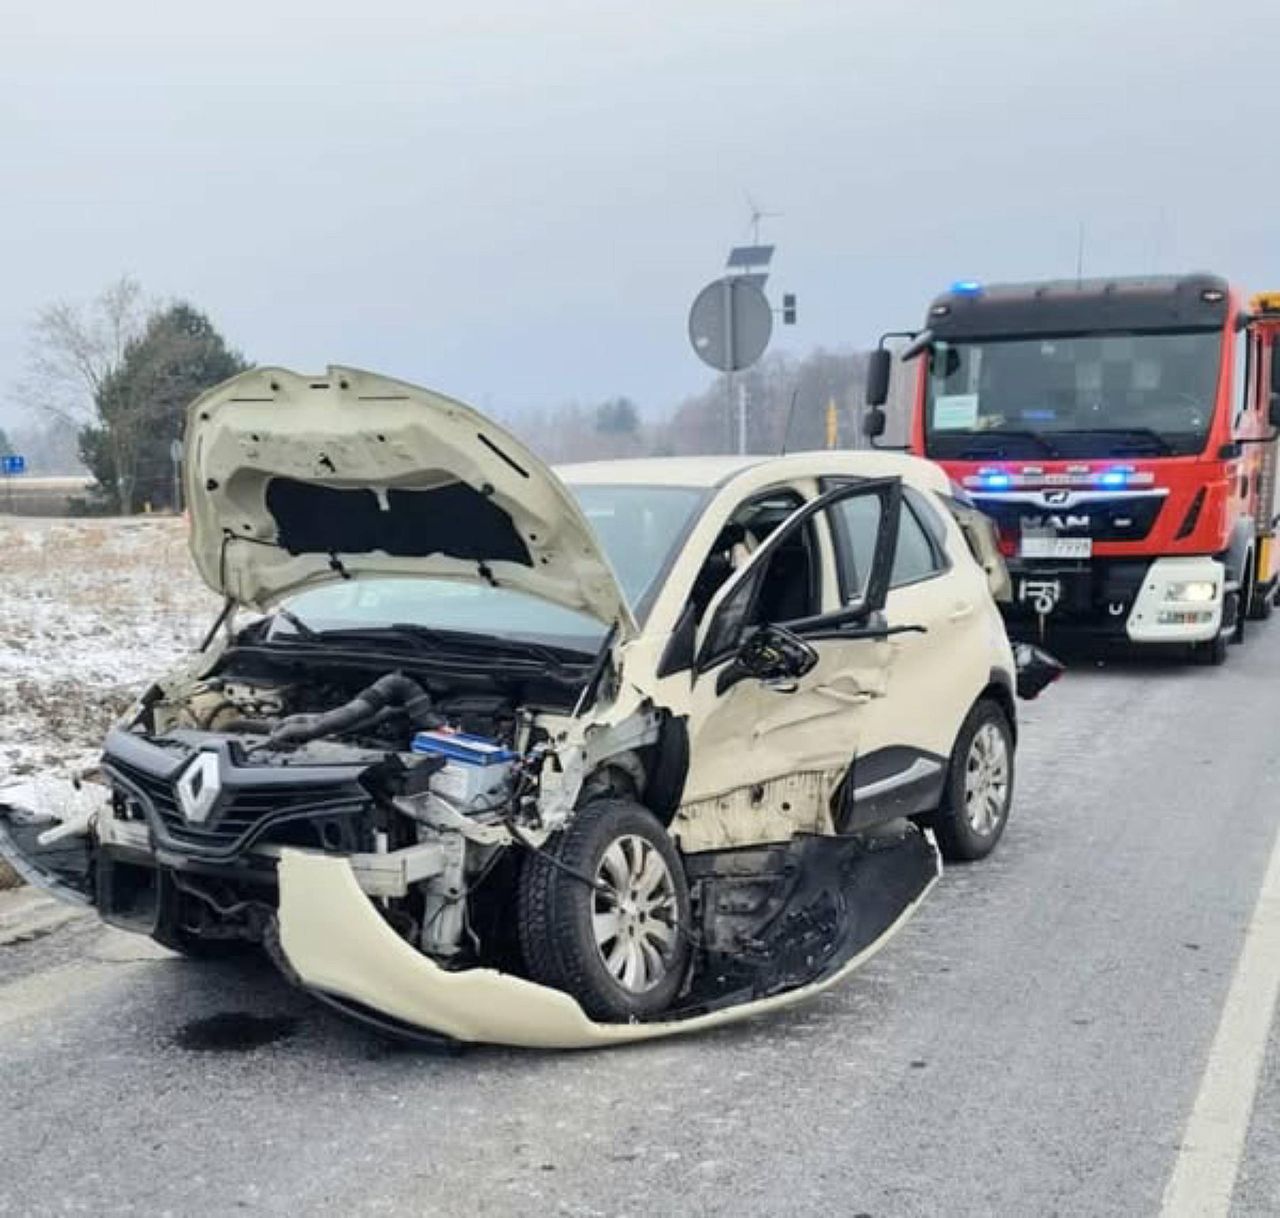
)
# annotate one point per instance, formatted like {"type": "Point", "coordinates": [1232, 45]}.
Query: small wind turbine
{"type": "Point", "coordinates": [758, 214]}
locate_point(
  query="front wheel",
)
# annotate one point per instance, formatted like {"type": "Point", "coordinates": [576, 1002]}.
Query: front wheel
{"type": "Point", "coordinates": [604, 912]}
{"type": "Point", "coordinates": [979, 790]}
{"type": "Point", "coordinates": [1212, 653]}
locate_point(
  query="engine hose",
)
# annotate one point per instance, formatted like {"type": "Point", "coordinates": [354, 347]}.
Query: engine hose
{"type": "Point", "coordinates": [392, 690]}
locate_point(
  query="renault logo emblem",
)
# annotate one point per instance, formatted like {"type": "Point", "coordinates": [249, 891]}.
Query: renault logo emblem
{"type": "Point", "coordinates": [198, 788]}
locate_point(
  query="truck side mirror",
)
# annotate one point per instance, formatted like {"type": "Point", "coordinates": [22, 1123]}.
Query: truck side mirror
{"type": "Point", "coordinates": [879, 369]}
{"type": "Point", "coordinates": [873, 423]}
{"type": "Point", "coordinates": [1273, 411]}
{"type": "Point", "coordinates": [1275, 368]}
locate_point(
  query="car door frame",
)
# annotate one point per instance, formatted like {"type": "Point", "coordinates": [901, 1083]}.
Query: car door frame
{"type": "Point", "coordinates": [800, 737]}
{"type": "Point", "coordinates": [841, 623]}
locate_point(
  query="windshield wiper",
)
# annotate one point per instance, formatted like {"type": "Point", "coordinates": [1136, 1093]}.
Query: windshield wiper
{"type": "Point", "coordinates": [991, 446]}
{"type": "Point", "coordinates": [1143, 437]}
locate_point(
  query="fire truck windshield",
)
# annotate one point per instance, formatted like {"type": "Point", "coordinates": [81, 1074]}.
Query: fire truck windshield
{"type": "Point", "coordinates": [1084, 396]}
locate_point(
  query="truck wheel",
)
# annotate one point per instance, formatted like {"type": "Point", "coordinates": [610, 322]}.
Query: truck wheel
{"type": "Point", "coordinates": [979, 790]}
{"type": "Point", "coordinates": [1243, 600]}
{"type": "Point", "coordinates": [1260, 604]}
{"type": "Point", "coordinates": [620, 948]}
{"type": "Point", "coordinates": [1213, 653]}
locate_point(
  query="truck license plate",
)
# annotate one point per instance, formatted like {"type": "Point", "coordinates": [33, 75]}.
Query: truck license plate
{"type": "Point", "coordinates": [1056, 547]}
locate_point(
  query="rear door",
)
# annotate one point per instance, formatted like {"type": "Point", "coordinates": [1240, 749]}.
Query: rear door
{"type": "Point", "coordinates": [767, 758]}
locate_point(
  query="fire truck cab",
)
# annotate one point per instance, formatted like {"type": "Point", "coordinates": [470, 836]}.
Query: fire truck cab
{"type": "Point", "coordinates": [1121, 434]}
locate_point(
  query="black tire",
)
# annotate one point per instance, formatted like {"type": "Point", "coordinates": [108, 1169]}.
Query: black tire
{"type": "Point", "coordinates": [1260, 604]}
{"type": "Point", "coordinates": [1213, 653]}
{"type": "Point", "coordinates": [558, 913]}
{"type": "Point", "coordinates": [1243, 599]}
{"type": "Point", "coordinates": [962, 835]}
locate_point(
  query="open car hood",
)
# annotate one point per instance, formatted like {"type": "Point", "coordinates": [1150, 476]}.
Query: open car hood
{"type": "Point", "coordinates": [296, 481]}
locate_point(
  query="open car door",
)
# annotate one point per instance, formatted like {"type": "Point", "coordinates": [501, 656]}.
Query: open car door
{"type": "Point", "coordinates": [777, 707]}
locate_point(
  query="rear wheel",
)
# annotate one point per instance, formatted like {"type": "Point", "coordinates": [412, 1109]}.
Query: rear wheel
{"type": "Point", "coordinates": [979, 791]}
{"type": "Point", "coordinates": [604, 912]}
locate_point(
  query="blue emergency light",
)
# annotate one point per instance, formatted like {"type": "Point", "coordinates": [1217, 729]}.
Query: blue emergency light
{"type": "Point", "coordinates": [994, 480]}
{"type": "Point", "coordinates": [966, 287]}
{"type": "Point", "coordinates": [1114, 477]}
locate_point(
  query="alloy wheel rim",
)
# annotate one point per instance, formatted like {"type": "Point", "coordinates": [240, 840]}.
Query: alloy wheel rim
{"type": "Point", "coordinates": [986, 780]}
{"type": "Point", "coordinates": [634, 913]}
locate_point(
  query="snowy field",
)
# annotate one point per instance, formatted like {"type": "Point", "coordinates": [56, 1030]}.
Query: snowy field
{"type": "Point", "coordinates": [90, 611]}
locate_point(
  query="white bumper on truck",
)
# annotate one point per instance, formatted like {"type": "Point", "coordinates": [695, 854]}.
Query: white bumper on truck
{"type": "Point", "coordinates": [1180, 602]}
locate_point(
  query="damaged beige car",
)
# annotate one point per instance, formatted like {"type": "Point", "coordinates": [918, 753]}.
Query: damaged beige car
{"type": "Point", "coordinates": [481, 751]}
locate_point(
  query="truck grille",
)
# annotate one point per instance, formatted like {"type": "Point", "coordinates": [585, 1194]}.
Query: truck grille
{"type": "Point", "coordinates": [1129, 519]}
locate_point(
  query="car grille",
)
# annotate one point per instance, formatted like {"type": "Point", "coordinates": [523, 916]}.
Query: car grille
{"type": "Point", "coordinates": [244, 816]}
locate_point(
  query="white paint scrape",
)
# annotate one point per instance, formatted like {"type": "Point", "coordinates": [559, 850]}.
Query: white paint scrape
{"type": "Point", "coordinates": [1204, 1174]}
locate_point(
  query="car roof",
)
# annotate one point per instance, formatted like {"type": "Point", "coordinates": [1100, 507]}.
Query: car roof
{"type": "Point", "coordinates": [719, 470]}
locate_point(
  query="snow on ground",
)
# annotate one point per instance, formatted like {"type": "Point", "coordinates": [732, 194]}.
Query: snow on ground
{"type": "Point", "coordinates": [90, 612]}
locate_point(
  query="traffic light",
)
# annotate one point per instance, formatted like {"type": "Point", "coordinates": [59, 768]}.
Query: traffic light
{"type": "Point", "coordinates": [789, 309]}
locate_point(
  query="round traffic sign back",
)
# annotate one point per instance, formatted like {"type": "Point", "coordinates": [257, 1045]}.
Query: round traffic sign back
{"type": "Point", "coordinates": [730, 324]}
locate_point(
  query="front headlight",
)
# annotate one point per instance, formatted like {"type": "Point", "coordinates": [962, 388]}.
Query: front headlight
{"type": "Point", "coordinates": [1196, 591]}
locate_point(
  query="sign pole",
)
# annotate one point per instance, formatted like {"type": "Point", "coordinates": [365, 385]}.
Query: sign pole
{"type": "Point", "coordinates": [742, 418]}
{"type": "Point", "coordinates": [727, 289]}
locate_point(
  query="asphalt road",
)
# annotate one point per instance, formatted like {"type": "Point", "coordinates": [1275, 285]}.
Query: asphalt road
{"type": "Point", "coordinates": [1033, 1043]}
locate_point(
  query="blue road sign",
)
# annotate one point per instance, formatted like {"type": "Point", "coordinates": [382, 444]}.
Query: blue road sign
{"type": "Point", "coordinates": [13, 465]}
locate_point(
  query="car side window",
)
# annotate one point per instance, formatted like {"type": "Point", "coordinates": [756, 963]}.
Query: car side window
{"type": "Point", "coordinates": [784, 589]}
{"type": "Point", "coordinates": [917, 555]}
{"type": "Point", "coordinates": [856, 523]}
{"type": "Point", "coordinates": [745, 531]}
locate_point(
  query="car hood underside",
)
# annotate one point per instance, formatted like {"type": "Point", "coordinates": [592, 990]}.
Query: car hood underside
{"type": "Point", "coordinates": [295, 481]}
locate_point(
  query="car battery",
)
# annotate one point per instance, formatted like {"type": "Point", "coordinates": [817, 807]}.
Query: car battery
{"type": "Point", "coordinates": [477, 772]}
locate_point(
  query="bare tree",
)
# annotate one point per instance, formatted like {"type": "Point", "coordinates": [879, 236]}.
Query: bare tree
{"type": "Point", "coordinates": [73, 348]}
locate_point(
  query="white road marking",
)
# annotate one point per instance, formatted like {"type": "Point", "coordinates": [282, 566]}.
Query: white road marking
{"type": "Point", "coordinates": [1204, 1173]}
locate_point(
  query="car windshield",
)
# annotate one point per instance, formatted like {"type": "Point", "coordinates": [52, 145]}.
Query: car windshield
{"type": "Point", "coordinates": [639, 528]}
{"type": "Point", "coordinates": [1090, 396]}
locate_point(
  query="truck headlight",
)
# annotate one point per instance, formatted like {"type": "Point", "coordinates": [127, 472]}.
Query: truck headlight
{"type": "Point", "coordinates": [1195, 591]}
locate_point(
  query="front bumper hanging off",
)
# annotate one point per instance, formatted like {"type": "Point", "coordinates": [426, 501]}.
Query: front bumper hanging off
{"type": "Point", "coordinates": [336, 943]}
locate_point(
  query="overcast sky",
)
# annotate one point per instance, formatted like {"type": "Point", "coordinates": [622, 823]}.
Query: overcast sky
{"type": "Point", "coordinates": [516, 202]}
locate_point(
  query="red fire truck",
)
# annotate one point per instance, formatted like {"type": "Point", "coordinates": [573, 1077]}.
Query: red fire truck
{"type": "Point", "coordinates": [1122, 435]}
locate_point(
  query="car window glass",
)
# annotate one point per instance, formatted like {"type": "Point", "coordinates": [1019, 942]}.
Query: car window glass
{"type": "Point", "coordinates": [856, 524]}
{"type": "Point", "coordinates": [784, 589]}
{"type": "Point", "coordinates": [745, 531]}
{"type": "Point", "coordinates": [915, 557]}
{"type": "Point", "coordinates": [639, 527]}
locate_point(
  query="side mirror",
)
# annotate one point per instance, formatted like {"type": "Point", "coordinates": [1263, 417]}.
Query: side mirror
{"type": "Point", "coordinates": [873, 423]}
{"type": "Point", "coordinates": [1273, 410]}
{"type": "Point", "coordinates": [1275, 368]}
{"type": "Point", "coordinates": [771, 654]}
{"type": "Point", "coordinates": [879, 370]}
